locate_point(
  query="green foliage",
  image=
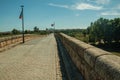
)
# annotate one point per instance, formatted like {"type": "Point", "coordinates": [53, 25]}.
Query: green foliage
{"type": "Point", "coordinates": [4, 34]}
{"type": "Point", "coordinates": [72, 32]}
{"type": "Point", "coordinates": [100, 31]}
{"type": "Point", "coordinates": [41, 32]}
{"type": "Point", "coordinates": [36, 29]}
{"type": "Point", "coordinates": [116, 30]}
{"type": "Point", "coordinates": [104, 30]}
{"type": "Point", "coordinates": [15, 31]}
{"type": "Point", "coordinates": [80, 34]}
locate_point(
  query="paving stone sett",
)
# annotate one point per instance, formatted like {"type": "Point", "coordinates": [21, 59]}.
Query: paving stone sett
{"type": "Point", "coordinates": [35, 60]}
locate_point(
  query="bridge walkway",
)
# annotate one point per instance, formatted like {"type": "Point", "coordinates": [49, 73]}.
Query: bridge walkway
{"type": "Point", "coordinates": [34, 60]}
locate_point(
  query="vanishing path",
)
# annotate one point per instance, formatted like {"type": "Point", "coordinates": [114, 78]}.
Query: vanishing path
{"type": "Point", "coordinates": [34, 60]}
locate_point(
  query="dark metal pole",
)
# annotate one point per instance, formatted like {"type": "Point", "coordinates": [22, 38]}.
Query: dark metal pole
{"type": "Point", "coordinates": [22, 24]}
{"type": "Point", "coordinates": [54, 27]}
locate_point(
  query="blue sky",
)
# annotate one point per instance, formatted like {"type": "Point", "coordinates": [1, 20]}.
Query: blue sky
{"type": "Point", "coordinates": [66, 14]}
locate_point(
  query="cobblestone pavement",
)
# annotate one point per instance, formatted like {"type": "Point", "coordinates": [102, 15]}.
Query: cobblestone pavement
{"type": "Point", "coordinates": [35, 60]}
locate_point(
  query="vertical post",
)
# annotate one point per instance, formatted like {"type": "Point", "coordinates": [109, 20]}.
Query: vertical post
{"type": "Point", "coordinates": [22, 23]}
{"type": "Point", "coordinates": [54, 27]}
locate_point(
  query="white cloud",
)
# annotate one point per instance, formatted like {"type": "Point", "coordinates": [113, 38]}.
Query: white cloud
{"type": "Point", "coordinates": [58, 5]}
{"type": "Point", "coordinates": [102, 1]}
{"type": "Point", "coordinates": [80, 6]}
{"type": "Point", "coordinates": [85, 6]}
{"type": "Point", "coordinates": [110, 13]}
{"type": "Point", "coordinates": [99, 1]}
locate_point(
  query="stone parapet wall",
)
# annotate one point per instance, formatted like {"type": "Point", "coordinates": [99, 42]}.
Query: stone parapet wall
{"type": "Point", "coordinates": [7, 42]}
{"type": "Point", "coordinates": [92, 62]}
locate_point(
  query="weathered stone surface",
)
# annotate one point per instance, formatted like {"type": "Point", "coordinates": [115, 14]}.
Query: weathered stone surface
{"type": "Point", "coordinates": [91, 54]}
{"type": "Point", "coordinates": [93, 63]}
{"type": "Point", "coordinates": [108, 67]}
{"type": "Point", "coordinates": [33, 60]}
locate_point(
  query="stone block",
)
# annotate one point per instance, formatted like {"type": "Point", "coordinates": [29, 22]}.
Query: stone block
{"type": "Point", "coordinates": [108, 67]}
{"type": "Point", "coordinates": [91, 54]}
{"type": "Point", "coordinates": [92, 62]}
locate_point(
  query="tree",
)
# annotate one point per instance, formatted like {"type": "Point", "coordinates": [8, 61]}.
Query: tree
{"type": "Point", "coordinates": [104, 29]}
{"type": "Point", "coordinates": [97, 30]}
{"type": "Point", "coordinates": [36, 29]}
{"type": "Point", "coordinates": [116, 29]}
{"type": "Point", "coordinates": [15, 31]}
{"type": "Point", "coordinates": [108, 31]}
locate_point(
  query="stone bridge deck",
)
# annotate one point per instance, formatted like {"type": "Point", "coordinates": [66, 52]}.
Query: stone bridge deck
{"type": "Point", "coordinates": [34, 60]}
{"type": "Point", "coordinates": [67, 59]}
